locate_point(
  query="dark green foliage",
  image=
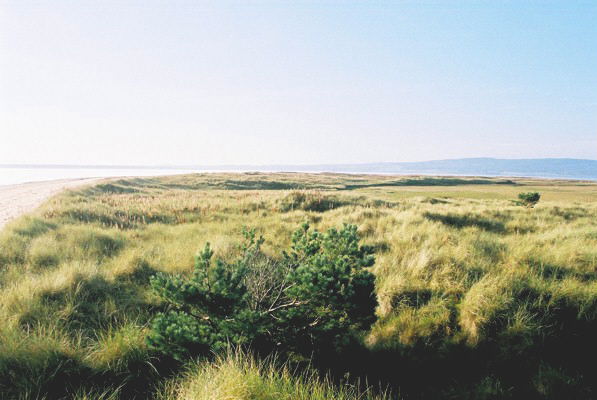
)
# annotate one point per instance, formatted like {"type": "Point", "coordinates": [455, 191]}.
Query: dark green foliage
{"type": "Point", "coordinates": [529, 199]}
{"type": "Point", "coordinates": [318, 295]}
{"type": "Point", "coordinates": [211, 307]}
{"type": "Point", "coordinates": [331, 285]}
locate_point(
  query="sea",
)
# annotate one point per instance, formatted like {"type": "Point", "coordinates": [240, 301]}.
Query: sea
{"type": "Point", "coordinates": [540, 168]}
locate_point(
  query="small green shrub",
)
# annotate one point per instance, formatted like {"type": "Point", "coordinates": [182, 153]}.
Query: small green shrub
{"type": "Point", "coordinates": [318, 296]}
{"type": "Point", "coordinates": [529, 199]}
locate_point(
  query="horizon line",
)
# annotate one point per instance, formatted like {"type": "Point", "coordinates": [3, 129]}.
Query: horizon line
{"type": "Point", "coordinates": [196, 166]}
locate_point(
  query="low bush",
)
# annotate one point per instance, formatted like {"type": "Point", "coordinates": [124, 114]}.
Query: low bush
{"type": "Point", "coordinates": [529, 199]}
{"type": "Point", "coordinates": [318, 296]}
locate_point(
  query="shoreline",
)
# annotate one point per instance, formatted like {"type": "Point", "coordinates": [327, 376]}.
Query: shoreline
{"type": "Point", "coordinates": [21, 198]}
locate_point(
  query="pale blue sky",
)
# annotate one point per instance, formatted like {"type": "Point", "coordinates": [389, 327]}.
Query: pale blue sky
{"type": "Point", "coordinates": [296, 82]}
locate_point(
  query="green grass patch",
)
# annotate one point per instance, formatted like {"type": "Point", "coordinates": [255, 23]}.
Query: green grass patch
{"type": "Point", "coordinates": [477, 296]}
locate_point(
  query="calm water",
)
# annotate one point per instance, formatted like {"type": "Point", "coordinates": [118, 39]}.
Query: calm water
{"type": "Point", "coordinates": [11, 176]}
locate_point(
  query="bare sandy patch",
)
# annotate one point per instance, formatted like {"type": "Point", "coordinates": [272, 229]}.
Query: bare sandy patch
{"type": "Point", "coordinates": [22, 198]}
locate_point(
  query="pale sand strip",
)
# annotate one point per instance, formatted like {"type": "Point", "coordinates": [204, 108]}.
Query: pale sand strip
{"type": "Point", "coordinates": [25, 197]}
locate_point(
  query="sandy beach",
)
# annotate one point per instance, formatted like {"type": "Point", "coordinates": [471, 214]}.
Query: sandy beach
{"type": "Point", "coordinates": [25, 197]}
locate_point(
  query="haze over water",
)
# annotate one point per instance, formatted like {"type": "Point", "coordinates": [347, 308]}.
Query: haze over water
{"type": "Point", "coordinates": [12, 176]}
{"type": "Point", "coordinates": [538, 168]}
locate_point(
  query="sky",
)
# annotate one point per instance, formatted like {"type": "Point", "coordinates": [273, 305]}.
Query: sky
{"type": "Point", "coordinates": [295, 82]}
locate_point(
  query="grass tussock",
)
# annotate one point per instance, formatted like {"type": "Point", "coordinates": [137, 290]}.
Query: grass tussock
{"type": "Point", "coordinates": [240, 376]}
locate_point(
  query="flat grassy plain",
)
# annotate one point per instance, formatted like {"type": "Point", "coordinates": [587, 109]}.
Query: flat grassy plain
{"type": "Point", "coordinates": [478, 297]}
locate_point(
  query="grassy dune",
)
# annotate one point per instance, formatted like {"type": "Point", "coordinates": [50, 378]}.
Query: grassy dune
{"type": "Point", "coordinates": [478, 297]}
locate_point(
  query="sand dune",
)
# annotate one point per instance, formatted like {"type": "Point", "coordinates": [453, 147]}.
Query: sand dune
{"type": "Point", "coordinates": [22, 198]}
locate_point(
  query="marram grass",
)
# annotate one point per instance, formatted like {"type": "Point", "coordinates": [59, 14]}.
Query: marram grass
{"type": "Point", "coordinates": [239, 376]}
{"type": "Point", "coordinates": [458, 264]}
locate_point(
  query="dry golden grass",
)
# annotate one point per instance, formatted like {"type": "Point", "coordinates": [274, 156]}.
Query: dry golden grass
{"type": "Point", "coordinates": [456, 262]}
{"type": "Point", "coordinates": [238, 376]}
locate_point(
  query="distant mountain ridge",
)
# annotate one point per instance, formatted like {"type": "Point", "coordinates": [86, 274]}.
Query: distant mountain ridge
{"type": "Point", "coordinates": [564, 168]}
